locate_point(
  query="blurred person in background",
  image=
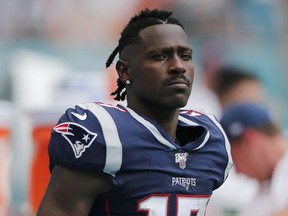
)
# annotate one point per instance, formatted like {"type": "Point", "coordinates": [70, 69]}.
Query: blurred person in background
{"type": "Point", "coordinates": [233, 84]}
{"type": "Point", "coordinates": [260, 151]}
{"type": "Point", "coordinates": [149, 157]}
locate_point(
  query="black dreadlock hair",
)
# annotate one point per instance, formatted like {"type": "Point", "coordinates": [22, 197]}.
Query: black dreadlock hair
{"type": "Point", "coordinates": [130, 35]}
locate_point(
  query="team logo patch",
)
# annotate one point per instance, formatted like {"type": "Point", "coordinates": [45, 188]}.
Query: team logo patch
{"type": "Point", "coordinates": [79, 137]}
{"type": "Point", "coordinates": [181, 158]}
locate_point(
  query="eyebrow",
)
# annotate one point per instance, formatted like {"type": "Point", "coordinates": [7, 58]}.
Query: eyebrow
{"type": "Point", "coordinates": [170, 49]}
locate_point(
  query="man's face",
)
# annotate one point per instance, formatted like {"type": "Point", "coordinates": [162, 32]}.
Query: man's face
{"type": "Point", "coordinates": [249, 159]}
{"type": "Point", "coordinates": [160, 68]}
{"type": "Point", "coordinates": [243, 160]}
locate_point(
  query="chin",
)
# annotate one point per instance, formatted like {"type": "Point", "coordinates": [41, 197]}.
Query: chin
{"type": "Point", "coordinates": [179, 103]}
{"type": "Point", "coordinates": [174, 101]}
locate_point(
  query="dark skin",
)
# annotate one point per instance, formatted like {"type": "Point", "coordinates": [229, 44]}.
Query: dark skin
{"type": "Point", "coordinates": [161, 72]}
{"type": "Point", "coordinates": [71, 192]}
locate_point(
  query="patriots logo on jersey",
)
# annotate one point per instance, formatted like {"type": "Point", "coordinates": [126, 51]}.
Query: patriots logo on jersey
{"type": "Point", "coordinates": [79, 137]}
{"type": "Point", "coordinates": [181, 158]}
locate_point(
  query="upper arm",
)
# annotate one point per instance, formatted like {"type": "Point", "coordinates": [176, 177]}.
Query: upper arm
{"type": "Point", "coordinates": [71, 192]}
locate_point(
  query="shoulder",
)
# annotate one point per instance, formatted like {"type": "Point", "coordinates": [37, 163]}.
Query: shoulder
{"type": "Point", "coordinates": [83, 113]}
{"type": "Point", "coordinates": [200, 116]}
{"type": "Point", "coordinates": [82, 135]}
{"type": "Point", "coordinates": [96, 108]}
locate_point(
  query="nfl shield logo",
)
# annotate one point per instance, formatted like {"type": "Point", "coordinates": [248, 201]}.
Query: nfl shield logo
{"type": "Point", "coordinates": [181, 158]}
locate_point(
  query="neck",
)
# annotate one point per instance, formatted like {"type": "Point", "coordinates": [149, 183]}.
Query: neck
{"type": "Point", "coordinates": [166, 118]}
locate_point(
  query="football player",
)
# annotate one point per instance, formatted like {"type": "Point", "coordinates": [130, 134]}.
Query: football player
{"type": "Point", "coordinates": [149, 157]}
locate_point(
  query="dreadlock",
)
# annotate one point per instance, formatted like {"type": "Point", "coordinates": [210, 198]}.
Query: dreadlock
{"type": "Point", "coordinates": [130, 35]}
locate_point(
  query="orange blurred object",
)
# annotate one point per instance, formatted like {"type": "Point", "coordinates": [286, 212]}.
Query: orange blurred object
{"type": "Point", "coordinates": [40, 174]}
{"type": "Point", "coordinates": [5, 171]}
{"type": "Point", "coordinates": [43, 122]}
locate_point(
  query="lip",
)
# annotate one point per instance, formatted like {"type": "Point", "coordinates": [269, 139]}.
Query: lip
{"type": "Point", "coordinates": [179, 83]}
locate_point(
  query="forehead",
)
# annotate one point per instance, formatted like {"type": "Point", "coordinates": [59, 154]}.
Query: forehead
{"type": "Point", "coordinates": [164, 35]}
{"type": "Point", "coordinates": [157, 37]}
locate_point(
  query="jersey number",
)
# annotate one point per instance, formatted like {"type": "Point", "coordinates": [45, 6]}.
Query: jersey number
{"type": "Point", "coordinates": [158, 205]}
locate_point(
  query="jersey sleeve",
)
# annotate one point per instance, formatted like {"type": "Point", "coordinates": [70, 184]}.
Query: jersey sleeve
{"type": "Point", "coordinates": [77, 141]}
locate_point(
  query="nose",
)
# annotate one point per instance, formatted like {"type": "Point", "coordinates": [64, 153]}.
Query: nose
{"type": "Point", "coordinates": [176, 65]}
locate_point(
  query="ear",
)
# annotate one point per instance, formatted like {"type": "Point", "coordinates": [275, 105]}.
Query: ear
{"type": "Point", "coordinates": [122, 70]}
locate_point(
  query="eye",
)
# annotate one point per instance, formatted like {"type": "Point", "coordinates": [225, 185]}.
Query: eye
{"type": "Point", "coordinates": [186, 56]}
{"type": "Point", "coordinates": [159, 57]}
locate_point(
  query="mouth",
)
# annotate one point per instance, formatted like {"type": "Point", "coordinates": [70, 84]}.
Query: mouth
{"type": "Point", "coordinates": [176, 82]}
{"type": "Point", "coordinates": [179, 83]}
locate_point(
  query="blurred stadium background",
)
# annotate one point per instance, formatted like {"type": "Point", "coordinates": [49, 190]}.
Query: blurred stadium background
{"type": "Point", "coordinates": [53, 54]}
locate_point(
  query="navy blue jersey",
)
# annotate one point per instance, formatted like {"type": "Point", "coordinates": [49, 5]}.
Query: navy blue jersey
{"type": "Point", "coordinates": [151, 173]}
